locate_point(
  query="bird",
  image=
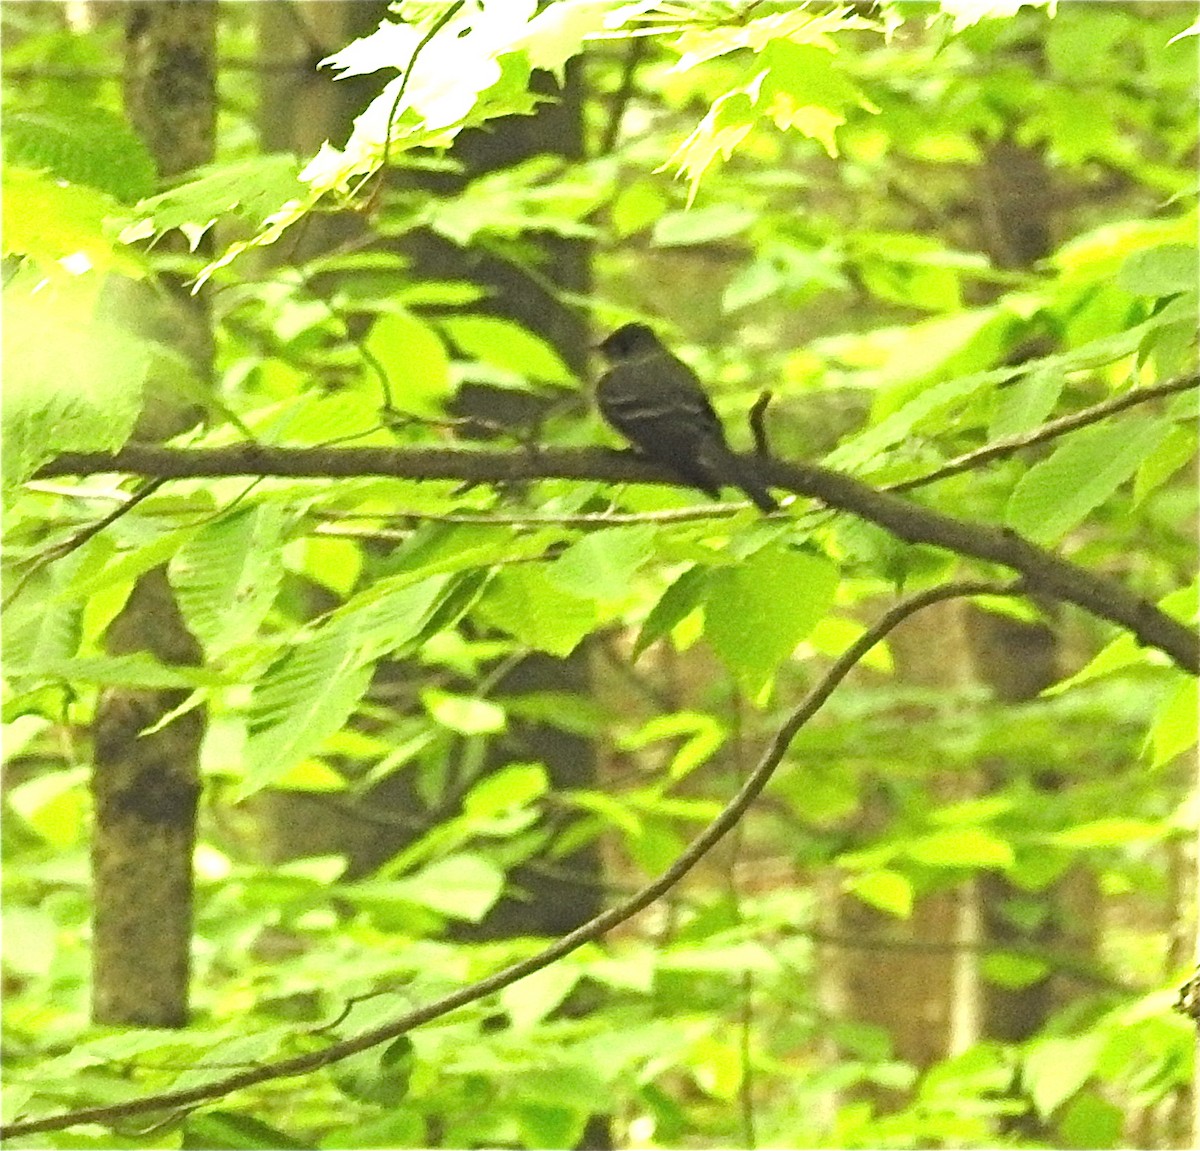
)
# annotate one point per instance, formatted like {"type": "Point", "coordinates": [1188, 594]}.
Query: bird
{"type": "Point", "coordinates": [659, 405]}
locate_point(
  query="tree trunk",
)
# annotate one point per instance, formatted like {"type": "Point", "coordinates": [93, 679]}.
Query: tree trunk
{"type": "Point", "coordinates": [145, 787]}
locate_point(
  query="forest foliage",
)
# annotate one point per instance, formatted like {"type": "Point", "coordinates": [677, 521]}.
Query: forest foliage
{"type": "Point", "coordinates": [797, 197]}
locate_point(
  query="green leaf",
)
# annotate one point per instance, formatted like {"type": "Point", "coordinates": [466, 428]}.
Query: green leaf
{"type": "Point", "coordinates": [460, 886]}
{"type": "Point", "coordinates": [509, 347]}
{"type": "Point", "coordinates": [702, 225]}
{"type": "Point", "coordinates": [1182, 604]}
{"type": "Point", "coordinates": [1083, 471]}
{"type": "Point", "coordinates": [414, 361]}
{"type": "Point", "coordinates": [1026, 403]}
{"type": "Point", "coordinates": [1012, 971]}
{"type": "Point", "coordinates": [139, 669]}
{"type": "Point", "coordinates": [523, 601]}
{"type": "Point", "coordinates": [1091, 1121]}
{"type": "Point", "coordinates": [1055, 1069]}
{"type": "Point", "coordinates": [227, 574]}
{"type": "Point", "coordinates": [55, 806]}
{"type": "Point", "coordinates": [47, 221]}
{"type": "Point", "coordinates": [365, 1077]}
{"type": "Point", "coordinates": [249, 190]}
{"type": "Point", "coordinates": [961, 847]}
{"type": "Point", "coordinates": [1177, 449]}
{"type": "Point", "coordinates": [70, 383]}
{"type": "Point", "coordinates": [516, 785]}
{"type": "Point", "coordinates": [602, 564]}
{"type": "Point", "coordinates": [1161, 271]}
{"type": "Point", "coordinates": [886, 890]}
{"type": "Point", "coordinates": [682, 598]}
{"type": "Point", "coordinates": [543, 1125]}
{"type": "Point", "coordinates": [468, 715]}
{"type": "Point", "coordinates": [704, 736]}
{"type": "Point", "coordinates": [1111, 832]}
{"type": "Point", "coordinates": [931, 403]}
{"type": "Point", "coordinates": [218, 1128]}
{"type": "Point", "coordinates": [81, 144]}
{"type": "Point", "coordinates": [302, 700]}
{"type": "Point", "coordinates": [398, 612]}
{"type": "Point", "coordinates": [1174, 729]}
{"type": "Point", "coordinates": [530, 1000]}
{"type": "Point", "coordinates": [637, 205]}
{"type": "Point", "coordinates": [759, 610]}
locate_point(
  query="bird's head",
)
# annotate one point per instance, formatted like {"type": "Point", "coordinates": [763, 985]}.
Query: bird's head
{"type": "Point", "coordinates": [627, 341]}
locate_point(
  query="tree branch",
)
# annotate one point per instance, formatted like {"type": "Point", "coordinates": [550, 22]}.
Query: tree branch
{"type": "Point", "coordinates": [1007, 445]}
{"type": "Point", "coordinates": [1043, 570]}
{"type": "Point", "coordinates": [586, 933]}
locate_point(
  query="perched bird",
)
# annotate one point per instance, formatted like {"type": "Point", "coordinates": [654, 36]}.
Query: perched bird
{"type": "Point", "coordinates": [656, 402]}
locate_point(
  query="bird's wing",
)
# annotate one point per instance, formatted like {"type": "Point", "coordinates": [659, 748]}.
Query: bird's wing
{"type": "Point", "coordinates": [655, 393]}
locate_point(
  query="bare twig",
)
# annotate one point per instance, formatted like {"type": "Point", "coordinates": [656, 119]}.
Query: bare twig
{"type": "Point", "coordinates": [635, 50]}
{"type": "Point", "coordinates": [758, 423]}
{"type": "Point", "coordinates": [594, 929]}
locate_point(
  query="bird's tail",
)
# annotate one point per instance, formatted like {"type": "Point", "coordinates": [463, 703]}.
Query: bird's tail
{"type": "Point", "coordinates": [742, 473]}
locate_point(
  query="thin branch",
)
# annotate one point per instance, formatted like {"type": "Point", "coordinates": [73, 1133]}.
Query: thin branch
{"type": "Point", "coordinates": [58, 551]}
{"type": "Point", "coordinates": [586, 933]}
{"type": "Point", "coordinates": [634, 51]}
{"type": "Point", "coordinates": [1007, 445]}
{"type": "Point", "coordinates": [1043, 570]}
{"type": "Point", "coordinates": [434, 29]}
{"type": "Point", "coordinates": [758, 423]}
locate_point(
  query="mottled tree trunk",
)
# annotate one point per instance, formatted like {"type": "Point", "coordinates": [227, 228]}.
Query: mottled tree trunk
{"type": "Point", "coordinates": [145, 785]}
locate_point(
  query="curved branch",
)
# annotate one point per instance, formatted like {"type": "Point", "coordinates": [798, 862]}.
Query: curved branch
{"type": "Point", "coordinates": [1007, 445]}
{"type": "Point", "coordinates": [586, 933]}
{"type": "Point", "coordinates": [1043, 570]}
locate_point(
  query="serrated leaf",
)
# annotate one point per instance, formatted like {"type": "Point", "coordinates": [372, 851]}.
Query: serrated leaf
{"type": "Point", "coordinates": [312, 690]}
{"type": "Point", "coordinates": [226, 576]}
{"type": "Point", "coordinates": [81, 144]}
{"type": "Point", "coordinates": [250, 190]}
{"type": "Point", "coordinates": [302, 700]}
{"type": "Point", "coordinates": [394, 613]}
{"type": "Point", "coordinates": [1082, 472]}
{"type": "Point", "coordinates": [139, 669]}
{"type": "Point", "coordinates": [757, 611]}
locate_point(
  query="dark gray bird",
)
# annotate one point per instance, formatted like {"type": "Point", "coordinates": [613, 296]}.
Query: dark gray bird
{"type": "Point", "coordinates": [656, 402]}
